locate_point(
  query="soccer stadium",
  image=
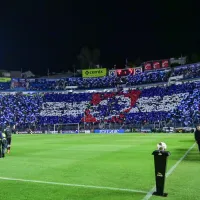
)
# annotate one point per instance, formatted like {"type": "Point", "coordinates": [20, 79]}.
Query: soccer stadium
{"type": "Point", "coordinates": [92, 137]}
{"type": "Point", "coordinates": [99, 100]}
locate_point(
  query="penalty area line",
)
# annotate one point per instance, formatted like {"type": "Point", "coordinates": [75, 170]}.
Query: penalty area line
{"type": "Point", "coordinates": [73, 185]}
{"type": "Point", "coordinates": [149, 194]}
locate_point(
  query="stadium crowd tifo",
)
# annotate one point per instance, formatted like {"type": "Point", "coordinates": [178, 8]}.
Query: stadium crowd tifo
{"type": "Point", "coordinates": [150, 98]}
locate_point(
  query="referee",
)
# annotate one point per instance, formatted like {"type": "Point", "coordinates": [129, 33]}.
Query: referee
{"type": "Point", "coordinates": [197, 136]}
{"type": "Point", "coordinates": [8, 133]}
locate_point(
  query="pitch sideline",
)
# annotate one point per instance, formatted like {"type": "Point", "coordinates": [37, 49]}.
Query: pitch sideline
{"type": "Point", "coordinates": [149, 194]}
{"type": "Point", "coordinates": [72, 185]}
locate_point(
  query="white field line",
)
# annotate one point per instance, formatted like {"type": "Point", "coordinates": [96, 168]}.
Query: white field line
{"type": "Point", "coordinates": [72, 185]}
{"type": "Point", "coordinates": [149, 194]}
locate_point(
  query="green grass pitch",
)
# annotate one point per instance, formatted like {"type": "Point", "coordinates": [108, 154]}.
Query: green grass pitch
{"type": "Point", "coordinates": [109, 162]}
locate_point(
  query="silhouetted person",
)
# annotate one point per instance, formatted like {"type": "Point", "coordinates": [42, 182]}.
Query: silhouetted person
{"type": "Point", "coordinates": [8, 133]}
{"type": "Point", "coordinates": [197, 136]}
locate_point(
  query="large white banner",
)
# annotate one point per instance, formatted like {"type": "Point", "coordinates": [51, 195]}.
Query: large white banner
{"type": "Point", "coordinates": [63, 108]}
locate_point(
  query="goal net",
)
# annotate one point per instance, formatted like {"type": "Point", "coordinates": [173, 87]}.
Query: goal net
{"type": "Point", "coordinates": [66, 128]}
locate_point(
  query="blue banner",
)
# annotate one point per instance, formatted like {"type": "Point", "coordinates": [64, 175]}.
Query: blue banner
{"type": "Point", "coordinates": [109, 131]}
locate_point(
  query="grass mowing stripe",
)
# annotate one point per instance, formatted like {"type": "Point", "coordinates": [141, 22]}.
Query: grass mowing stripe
{"type": "Point", "coordinates": [149, 194]}
{"type": "Point", "coordinates": [180, 160]}
{"type": "Point", "coordinates": [72, 185]}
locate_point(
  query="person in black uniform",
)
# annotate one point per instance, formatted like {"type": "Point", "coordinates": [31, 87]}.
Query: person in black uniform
{"type": "Point", "coordinates": [8, 133]}
{"type": "Point", "coordinates": [3, 145]}
{"type": "Point", "coordinates": [197, 136]}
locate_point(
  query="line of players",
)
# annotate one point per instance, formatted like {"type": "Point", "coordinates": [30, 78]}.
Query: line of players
{"type": "Point", "coordinates": [5, 141]}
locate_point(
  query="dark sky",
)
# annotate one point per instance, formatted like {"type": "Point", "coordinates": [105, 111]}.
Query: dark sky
{"type": "Point", "coordinates": [39, 34]}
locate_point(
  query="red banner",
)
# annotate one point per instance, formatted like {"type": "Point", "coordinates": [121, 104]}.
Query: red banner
{"type": "Point", "coordinates": [156, 65]}
{"type": "Point", "coordinates": [165, 63]}
{"type": "Point", "coordinates": [148, 66]}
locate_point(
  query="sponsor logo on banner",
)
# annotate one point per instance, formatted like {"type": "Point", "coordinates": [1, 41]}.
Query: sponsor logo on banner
{"type": "Point", "coordinates": [4, 79]}
{"type": "Point", "coordinates": [156, 65]}
{"type": "Point", "coordinates": [26, 132]}
{"type": "Point", "coordinates": [89, 73]}
{"type": "Point", "coordinates": [138, 70]}
{"type": "Point", "coordinates": [159, 174]}
{"type": "Point", "coordinates": [148, 66]}
{"type": "Point", "coordinates": [109, 131]}
{"type": "Point", "coordinates": [165, 63]}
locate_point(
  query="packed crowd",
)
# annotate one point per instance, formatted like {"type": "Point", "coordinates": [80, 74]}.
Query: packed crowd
{"type": "Point", "coordinates": [174, 104]}
{"type": "Point", "coordinates": [188, 112]}
{"type": "Point", "coordinates": [103, 82]}
{"type": "Point", "coordinates": [5, 86]}
{"type": "Point", "coordinates": [148, 77]}
{"type": "Point", "coordinates": [87, 83]}
{"type": "Point", "coordinates": [188, 71]}
{"type": "Point", "coordinates": [19, 109]}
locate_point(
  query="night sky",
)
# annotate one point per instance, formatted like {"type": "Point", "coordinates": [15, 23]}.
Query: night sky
{"type": "Point", "coordinates": [36, 34]}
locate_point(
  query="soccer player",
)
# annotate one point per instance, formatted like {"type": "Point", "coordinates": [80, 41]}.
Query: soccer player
{"type": "Point", "coordinates": [197, 136]}
{"type": "Point", "coordinates": [8, 133]}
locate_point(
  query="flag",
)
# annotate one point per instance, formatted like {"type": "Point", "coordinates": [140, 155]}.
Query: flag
{"type": "Point", "coordinates": [156, 65]}
{"type": "Point", "coordinates": [165, 63]}
{"type": "Point", "coordinates": [148, 66]}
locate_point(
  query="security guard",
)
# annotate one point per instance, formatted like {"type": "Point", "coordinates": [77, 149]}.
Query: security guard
{"type": "Point", "coordinates": [3, 144]}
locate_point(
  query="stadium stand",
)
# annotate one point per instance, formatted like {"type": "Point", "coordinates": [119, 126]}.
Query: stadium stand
{"type": "Point", "coordinates": [188, 71]}
{"type": "Point", "coordinates": [4, 85]}
{"type": "Point", "coordinates": [98, 101]}
{"type": "Point", "coordinates": [148, 77]}
{"type": "Point", "coordinates": [19, 109]}
{"type": "Point", "coordinates": [188, 112]}
{"type": "Point", "coordinates": [172, 104]}
{"type": "Point", "coordinates": [86, 83]}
